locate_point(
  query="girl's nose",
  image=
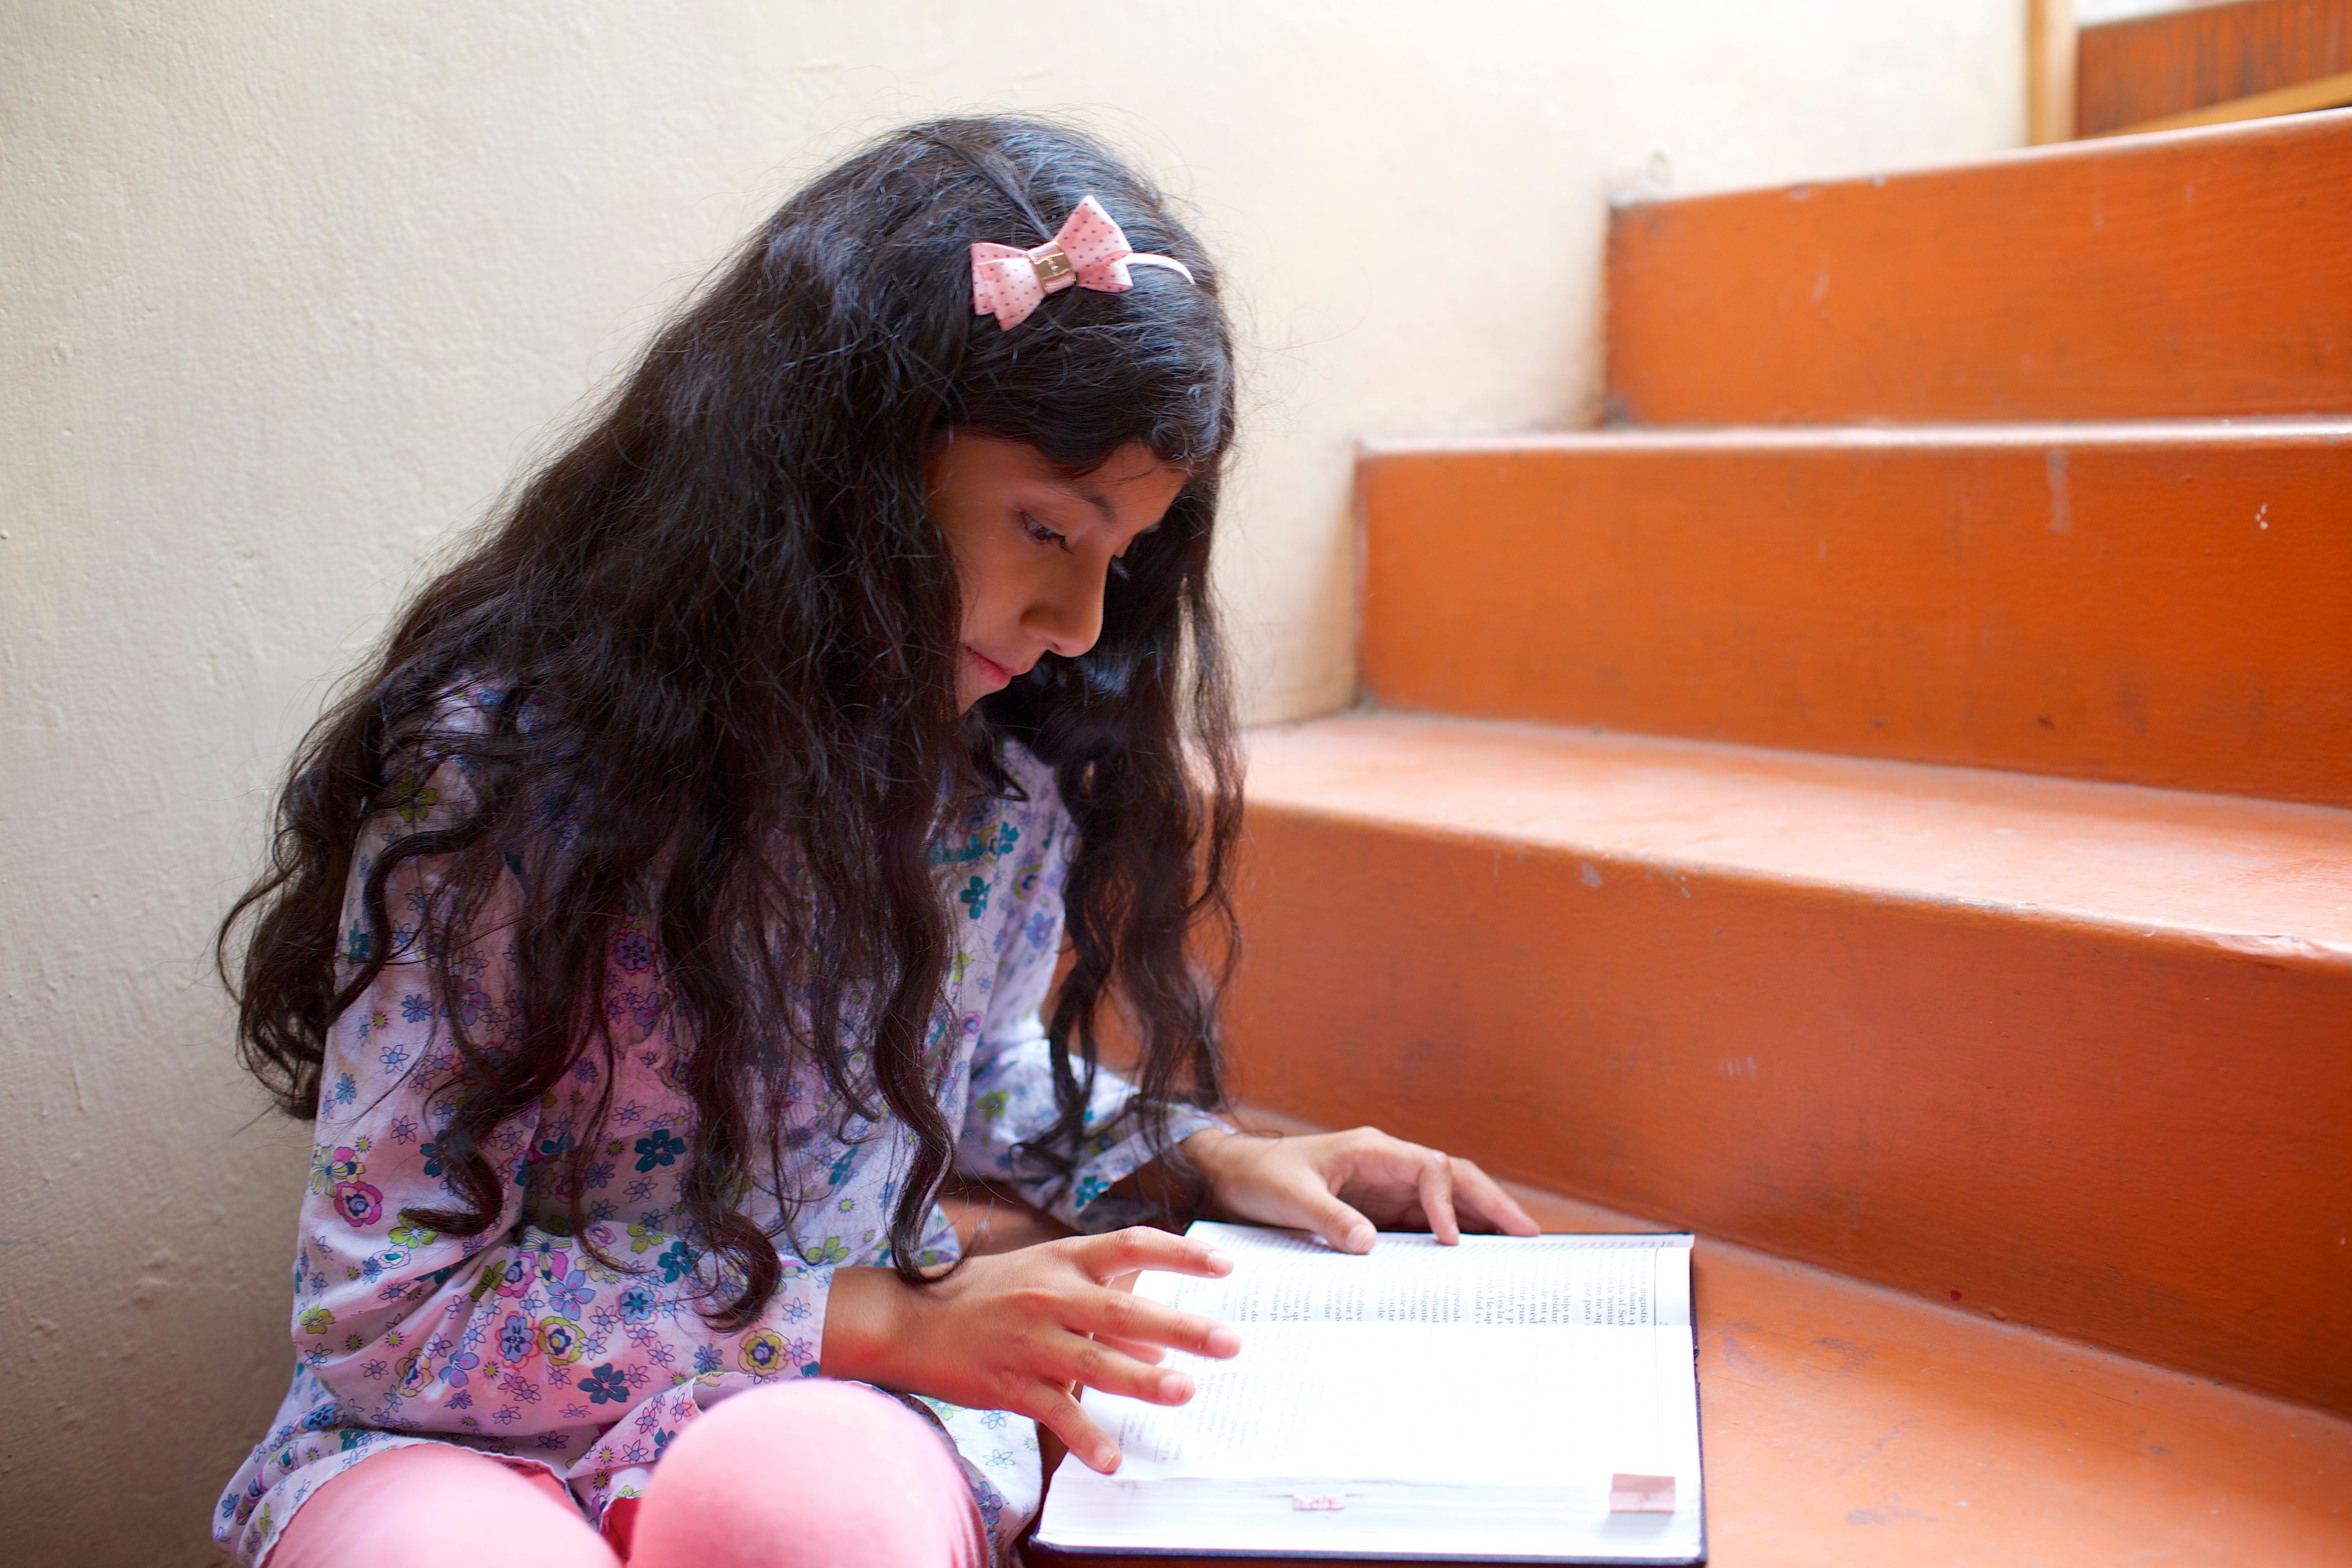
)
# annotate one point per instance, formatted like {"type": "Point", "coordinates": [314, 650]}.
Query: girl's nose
{"type": "Point", "coordinates": [1068, 615]}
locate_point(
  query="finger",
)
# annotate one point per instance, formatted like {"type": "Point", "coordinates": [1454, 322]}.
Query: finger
{"type": "Point", "coordinates": [1378, 1165]}
{"type": "Point", "coordinates": [1054, 1408]}
{"type": "Point", "coordinates": [1139, 1247]}
{"type": "Point", "coordinates": [1151, 1355]}
{"type": "Point", "coordinates": [1093, 1365]}
{"type": "Point", "coordinates": [1335, 1222]}
{"type": "Point", "coordinates": [1389, 1171]}
{"type": "Point", "coordinates": [1436, 1185]}
{"type": "Point", "coordinates": [1117, 1316]}
{"type": "Point", "coordinates": [1481, 1194]}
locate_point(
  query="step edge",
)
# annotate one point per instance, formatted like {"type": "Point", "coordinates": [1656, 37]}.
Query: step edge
{"type": "Point", "coordinates": [2245, 939]}
{"type": "Point", "coordinates": [1704, 754]}
{"type": "Point", "coordinates": [2281, 432]}
{"type": "Point", "coordinates": [2314, 124]}
{"type": "Point", "coordinates": [2281, 949]}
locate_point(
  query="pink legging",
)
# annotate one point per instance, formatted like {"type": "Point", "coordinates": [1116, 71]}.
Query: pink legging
{"type": "Point", "coordinates": [811, 1474]}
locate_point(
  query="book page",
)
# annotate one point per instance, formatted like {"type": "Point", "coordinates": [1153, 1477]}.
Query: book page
{"type": "Point", "coordinates": [1449, 1402]}
{"type": "Point", "coordinates": [1289, 1277]}
{"type": "Point", "coordinates": [1418, 1400]}
{"type": "Point", "coordinates": [1475, 1405]}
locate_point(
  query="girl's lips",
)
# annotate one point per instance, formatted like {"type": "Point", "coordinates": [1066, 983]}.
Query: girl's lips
{"type": "Point", "coordinates": [989, 669]}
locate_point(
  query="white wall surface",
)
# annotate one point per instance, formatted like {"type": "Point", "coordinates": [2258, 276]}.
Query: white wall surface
{"type": "Point", "coordinates": [288, 291]}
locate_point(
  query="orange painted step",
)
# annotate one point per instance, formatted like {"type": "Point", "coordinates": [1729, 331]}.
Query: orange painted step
{"type": "Point", "coordinates": [1846, 1423]}
{"type": "Point", "coordinates": [2145, 67]}
{"type": "Point", "coordinates": [2161, 603]}
{"type": "Point", "coordinates": [2195, 272]}
{"type": "Point", "coordinates": [2077, 1054]}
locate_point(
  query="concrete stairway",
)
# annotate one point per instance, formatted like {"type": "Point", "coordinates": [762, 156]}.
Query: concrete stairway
{"type": "Point", "coordinates": [1916, 855]}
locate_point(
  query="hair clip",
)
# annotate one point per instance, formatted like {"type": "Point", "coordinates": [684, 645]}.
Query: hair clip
{"type": "Point", "coordinates": [1089, 253]}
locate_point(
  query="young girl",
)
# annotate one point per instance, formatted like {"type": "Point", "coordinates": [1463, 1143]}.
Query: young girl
{"type": "Point", "coordinates": [678, 901]}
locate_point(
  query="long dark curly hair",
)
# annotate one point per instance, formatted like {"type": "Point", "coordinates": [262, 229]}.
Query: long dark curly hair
{"type": "Point", "coordinates": [730, 599]}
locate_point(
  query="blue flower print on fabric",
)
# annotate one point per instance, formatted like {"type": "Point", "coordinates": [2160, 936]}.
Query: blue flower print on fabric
{"type": "Point", "coordinates": [606, 1385]}
{"type": "Point", "coordinates": [661, 1147]}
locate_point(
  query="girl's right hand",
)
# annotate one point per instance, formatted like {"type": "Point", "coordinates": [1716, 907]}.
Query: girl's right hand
{"type": "Point", "coordinates": [1023, 1331]}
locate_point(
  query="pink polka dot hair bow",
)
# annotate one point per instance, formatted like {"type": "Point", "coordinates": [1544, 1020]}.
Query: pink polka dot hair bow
{"type": "Point", "coordinates": [1089, 253]}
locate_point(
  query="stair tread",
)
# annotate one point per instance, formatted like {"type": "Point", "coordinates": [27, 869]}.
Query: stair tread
{"type": "Point", "coordinates": [1848, 1422]}
{"type": "Point", "coordinates": [1845, 1422]}
{"type": "Point", "coordinates": [2268, 876]}
{"type": "Point", "coordinates": [2250, 429]}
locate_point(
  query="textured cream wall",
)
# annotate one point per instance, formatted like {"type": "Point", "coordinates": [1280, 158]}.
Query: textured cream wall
{"type": "Point", "coordinates": [287, 293]}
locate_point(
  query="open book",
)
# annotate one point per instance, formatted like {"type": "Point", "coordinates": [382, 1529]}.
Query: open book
{"type": "Point", "coordinates": [1510, 1399]}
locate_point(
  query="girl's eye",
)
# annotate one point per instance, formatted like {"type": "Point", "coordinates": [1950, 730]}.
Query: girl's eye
{"type": "Point", "coordinates": [1041, 533]}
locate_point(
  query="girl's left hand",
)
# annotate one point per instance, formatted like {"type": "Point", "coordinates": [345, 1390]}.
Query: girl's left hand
{"type": "Point", "coordinates": [1345, 1185]}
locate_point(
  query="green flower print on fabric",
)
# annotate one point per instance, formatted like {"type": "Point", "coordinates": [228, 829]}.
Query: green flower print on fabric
{"type": "Point", "coordinates": [340, 1163]}
{"type": "Point", "coordinates": [558, 1341]}
{"type": "Point", "coordinates": [414, 798]}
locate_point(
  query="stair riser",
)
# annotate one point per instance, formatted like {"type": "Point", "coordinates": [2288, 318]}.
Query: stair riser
{"type": "Point", "coordinates": [2136, 1140]}
{"type": "Point", "coordinates": [2197, 273]}
{"type": "Point", "coordinates": [2145, 68]}
{"type": "Point", "coordinates": [2175, 613]}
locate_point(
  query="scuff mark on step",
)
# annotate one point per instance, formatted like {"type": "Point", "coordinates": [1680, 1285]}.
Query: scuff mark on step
{"type": "Point", "coordinates": [1875, 1448]}
{"type": "Point", "coordinates": [1737, 1354]}
{"type": "Point", "coordinates": [1851, 1357]}
{"type": "Point", "coordinates": [2062, 505]}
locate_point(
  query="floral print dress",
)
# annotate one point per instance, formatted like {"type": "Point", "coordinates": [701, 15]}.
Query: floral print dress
{"type": "Point", "coordinates": [518, 1342]}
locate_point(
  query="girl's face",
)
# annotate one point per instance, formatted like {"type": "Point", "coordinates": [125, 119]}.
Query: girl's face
{"type": "Point", "coordinates": [1033, 545]}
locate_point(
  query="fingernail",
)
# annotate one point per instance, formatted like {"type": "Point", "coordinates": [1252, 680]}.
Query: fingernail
{"type": "Point", "coordinates": [1360, 1238]}
{"type": "Point", "coordinates": [1175, 1388]}
{"type": "Point", "coordinates": [1106, 1459]}
{"type": "Point", "coordinates": [1223, 1342]}
{"type": "Point", "coordinates": [1220, 1262]}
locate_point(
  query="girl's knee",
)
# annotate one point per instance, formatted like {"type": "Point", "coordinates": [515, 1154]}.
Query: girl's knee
{"type": "Point", "coordinates": [368, 1516]}
{"type": "Point", "coordinates": [814, 1473]}
{"type": "Point", "coordinates": [845, 1432]}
